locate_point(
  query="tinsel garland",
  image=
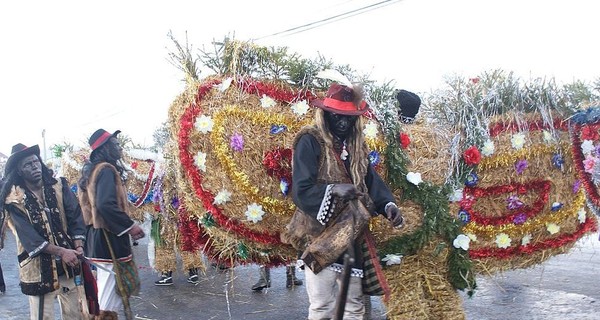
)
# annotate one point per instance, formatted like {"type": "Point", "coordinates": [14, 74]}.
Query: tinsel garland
{"type": "Point", "coordinates": [564, 239]}
{"type": "Point", "coordinates": [146, 188]}
{"type": "Point", "coordinates": [529, 226]}
{"type": "Point", "coordinates": [585, 178]}
{"type": "Point", "coordinates": [510, 158]}
{"type": "Point", "coordinates": [436, 218]}
{"type": "Point", "coordinates": [277, 92]}
{"type": "Point", "coordinates": [536, 125]}
{"type": "Point", "coordinates": [187, 161]}
{"type": "Point", "coordinates": [471, 194]}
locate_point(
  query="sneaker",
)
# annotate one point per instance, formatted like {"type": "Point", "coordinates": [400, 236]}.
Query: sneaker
{"type": "Point", "coordinates": [193, 279]}
{"type": "Point", "coordinates": [164, 281]}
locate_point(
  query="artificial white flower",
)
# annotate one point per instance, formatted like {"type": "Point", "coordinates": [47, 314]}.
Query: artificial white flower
{"type": "Point", "coordinates": [517, 140]}
{"type": "Point", "coordinates": [552, 228]}
{"type": "Point", "coordinates": [526, 240]}
{"type": "Point", "coordinates": [267, 102]}
{"type": "Point", "coordinates": [204, 124]}
{"type": "Point", "coordinates": [223, 196]}
{"type": "Point", "coordinates": [587, 146]}
{"type": "Point", "coordinates": [456, 196]}
{"type": "Point", "coordinates": [391, 259]}
{"type": "Point", "coordinates": [200, 160]}
{"type": "Point", "coordinates": [223, 86]}
{"type": "Point", "coordinates": [300, 108]}
{"type": "Point", "coordinates": [370, 130]}
{"type": "Point", "coordinates": [581, 215]}
{"type": "Point", "coordinates": [254, 213]}
{"type": "Point", "coordinates": [462, 241]}
{"type": "Point", "coordinates": [503, 241]}
{"type": "Point", "coordinates": [414, 178]}
{"type": "Point", "coordinates": [488, 148]}
{"type": "Point", "coordinates": [472, 237]}
{"type": "Point", "coordinates": [548, 137]}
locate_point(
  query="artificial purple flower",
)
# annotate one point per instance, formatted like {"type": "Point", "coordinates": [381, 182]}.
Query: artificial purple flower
{"type": "Point", "coordinates": [556, 206]}
{"type": "Point", "coordinates": [175, 203]}
{"type": "Point", "coordinates": [521, 166]}
{"type": "Point", "coordinates": [576, 186]}
{"type": "Point", "coordinates": [519, 218]}
{"type": "Point", "coordinates": [597, 150]}
{"type": "Point", "coordinates": [514, 203]}
{"type": "Point", "coordinates": [237, 142]}
{"type": "Point", "coordinates": [374, 158]}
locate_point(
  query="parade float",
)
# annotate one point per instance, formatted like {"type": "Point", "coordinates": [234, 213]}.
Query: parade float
{"type": "Point", "coordinates": [488, 178]}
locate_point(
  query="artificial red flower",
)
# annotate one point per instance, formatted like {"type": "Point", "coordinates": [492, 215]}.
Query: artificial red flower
{"type": "Point", "coordinates": [134, 165]}
{"type": "Point", "coordinates": [588, 133]}
{"type": "Point", "coordinates": [404, 140]}
{"type": "Point", "coordinates": [472, 156]}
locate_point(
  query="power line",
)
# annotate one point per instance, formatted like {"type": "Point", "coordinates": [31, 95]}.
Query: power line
{"type": "Point", "coordinates": [332, 19]}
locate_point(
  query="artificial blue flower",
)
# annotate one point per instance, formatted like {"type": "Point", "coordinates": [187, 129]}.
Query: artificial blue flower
{"type": "Point", "coordinates": [374, 158]}
{"type": "Point", "coordinates": [464, 216]}
{"type": "Point", "coordinates": [275, 128]}
{"type": "Point", "coordinates": [472, 180]}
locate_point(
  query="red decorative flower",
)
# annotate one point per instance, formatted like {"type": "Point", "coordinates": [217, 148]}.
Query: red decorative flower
{"type": "Point", "coordinates": [589, 133]}
{"type": "Point", "coordinates": [404, 140]}
{"type": "Point", "coordinates": [472, 156]}
{"type": "Point", "coordinates": [134, 165]}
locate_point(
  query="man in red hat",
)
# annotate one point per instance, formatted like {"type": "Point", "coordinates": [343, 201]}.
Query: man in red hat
{"type": "Point", "coordinates": [336, 192]}
{"type": "Point", "coordinates": [46, 219]}
{"type": "Point", "coordinates": [103, 197]}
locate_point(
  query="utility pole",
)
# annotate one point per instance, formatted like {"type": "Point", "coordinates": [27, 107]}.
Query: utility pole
{"type": "Point", "coordinates": [44, 141]}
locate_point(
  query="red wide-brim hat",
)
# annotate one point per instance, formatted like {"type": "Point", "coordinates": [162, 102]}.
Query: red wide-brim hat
{"type": "Point", "coordinates": [342, 99]}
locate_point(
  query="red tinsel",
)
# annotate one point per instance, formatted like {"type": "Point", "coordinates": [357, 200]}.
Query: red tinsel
{"type": "Point", "coordinates": [279, 163]}
{"type": "Point", "coordinates": [501, 127]}
{"type": "Point", "coordinates": [558, 242]}
{"type": "Point", "coordinates": [472, 193]}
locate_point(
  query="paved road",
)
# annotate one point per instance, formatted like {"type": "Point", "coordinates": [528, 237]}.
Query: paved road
{"type": "Point", "coordinates": [565, 287]}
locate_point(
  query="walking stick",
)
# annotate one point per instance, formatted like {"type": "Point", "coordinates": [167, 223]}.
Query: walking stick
{"type": "Point", "coordinates": [340, 303]}
{"type": "Point", "coordinates": [119, 280]}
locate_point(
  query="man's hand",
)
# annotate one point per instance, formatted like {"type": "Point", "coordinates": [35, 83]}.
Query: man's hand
{"type": "Point", "coordinates": [346, 191]}
{"type": "Point", "coordinates": [136, 232]}
{"type": "Point", "coordinates": [393, 214]}
{"type": "Point", "coordinates": [69, 256]}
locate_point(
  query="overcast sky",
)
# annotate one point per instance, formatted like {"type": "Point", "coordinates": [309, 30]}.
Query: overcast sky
{"type": "Point", "coordinates": [71, 67]}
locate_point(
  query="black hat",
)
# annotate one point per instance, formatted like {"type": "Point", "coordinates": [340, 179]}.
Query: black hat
{"type": "Point", "coordinates": [100, 137]}
{"type": "Point", "coordinates": [18, 152]}
{"type": "Point", "coordinates": [409, 105]}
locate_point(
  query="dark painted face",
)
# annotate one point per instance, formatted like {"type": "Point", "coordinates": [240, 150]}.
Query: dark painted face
{"type": "Point", "coordinates": [30, 169]}
{"type": "Point", "coordinates": [114, 148]}
{"type": "Point", "coordinates": [340, 125]}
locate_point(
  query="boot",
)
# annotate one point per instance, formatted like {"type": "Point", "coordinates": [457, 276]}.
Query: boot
{"type": "Point", "coordinates": [107, 315]}
{"type": "Point", "coordinates": [291, 280]}
{"type": "Point", "coordinates": [265, 279]}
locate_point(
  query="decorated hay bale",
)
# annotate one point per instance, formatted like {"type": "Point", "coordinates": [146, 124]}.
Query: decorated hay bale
{"type": "Point", "coordinates": [141, 168]}
{"type": "Point", "coordinates": [235, 147]}
{"type": "Point", "coordinates": [523, 203]}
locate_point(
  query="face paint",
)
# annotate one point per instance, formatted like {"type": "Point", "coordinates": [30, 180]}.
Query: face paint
{"type": "Point", "coordinates": [30, 168]}
{"type": "Point", "coordinates": [114, 148]}
{"type": "Point", "coordinates": [340, 125]}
